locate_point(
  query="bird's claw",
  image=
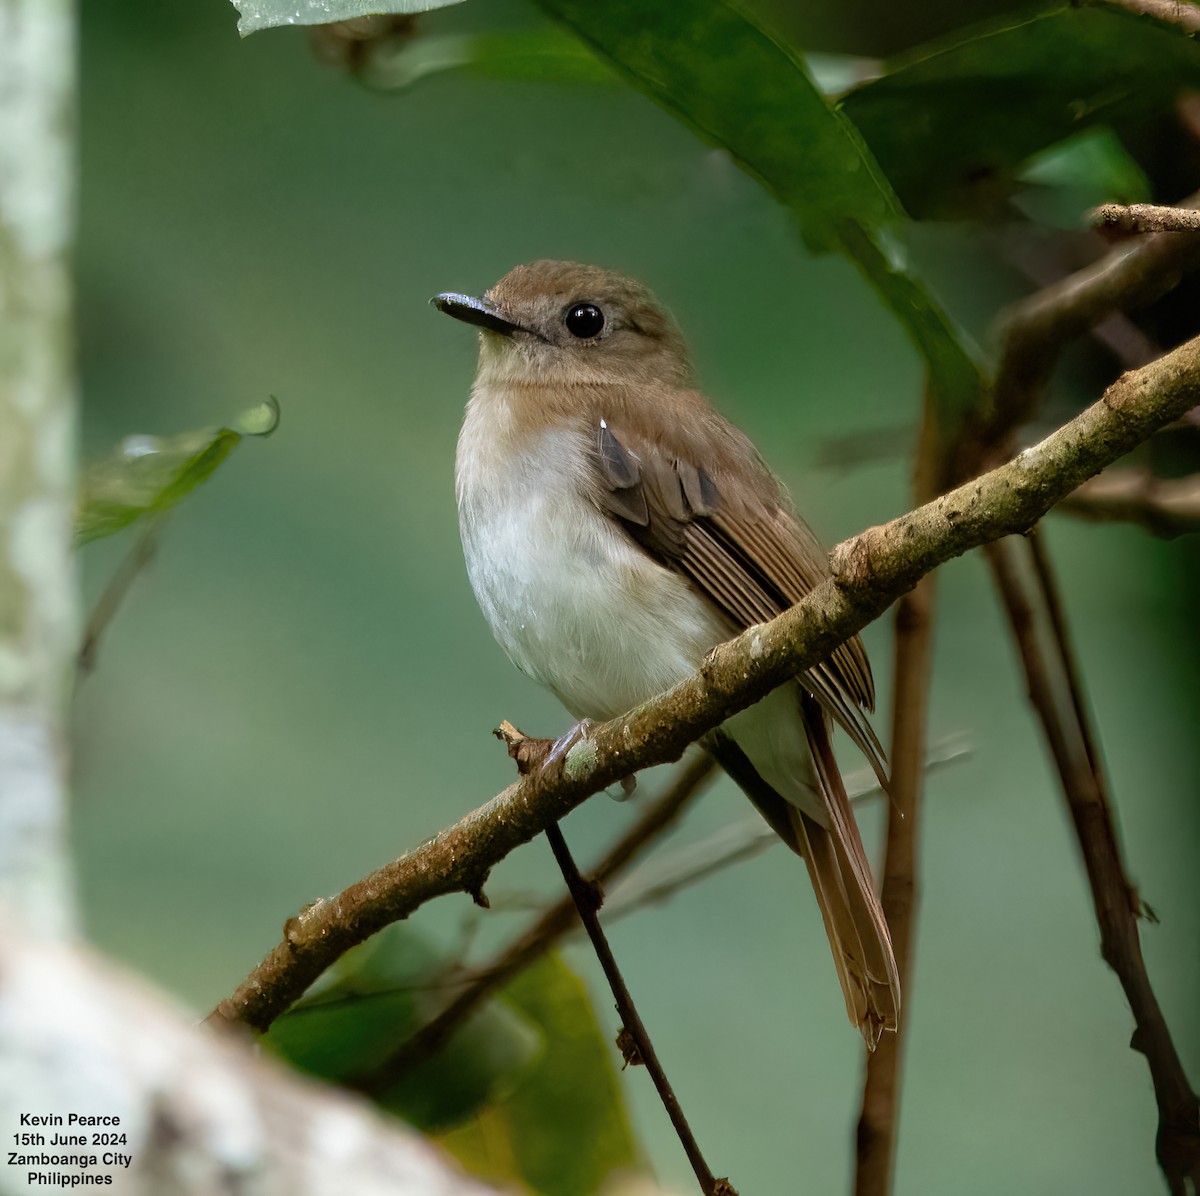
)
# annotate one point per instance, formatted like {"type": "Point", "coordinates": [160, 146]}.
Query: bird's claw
{"type": "Point", "coordinates": [559, 750]}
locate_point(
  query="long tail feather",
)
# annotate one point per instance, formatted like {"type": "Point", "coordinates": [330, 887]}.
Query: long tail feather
{"type": "Point", "coordinates": [841, 877]}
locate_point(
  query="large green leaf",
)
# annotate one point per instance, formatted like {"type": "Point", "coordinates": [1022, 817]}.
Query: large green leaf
{"type": "Point", "coordinates": [373, 999]}
{"type": "Point", "coordinates": [562, 1130]}
{"type": "Point", "coordinates": [268, 14]}
{"type": "Point", "coordinates": [962, 114]}
{"type": "Point", "coordinates": [741, 89]}
{"type": "Point", "coordinates": [150, 474]}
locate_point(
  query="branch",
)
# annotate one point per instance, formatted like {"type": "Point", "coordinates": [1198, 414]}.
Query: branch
{"type": "Point", "coordinates": [1051, 675]}
{"type": "Point", "coordinates": [1035, 330]}
{"type": "Point", "coordinates": [671, 872]}
{"type": "Point", "coordinates": [1136, 218]}
{"type": "Point", "coordinates": [868, 573]}
{"type": "Point", "coordinates": [634, 1038]}
{"type": "Point", "coordinates": [1166, 507]}
{"type": "Point", "coordinates": [880, 1112]}
{"type": "Point", "coordinates": [553, 924]}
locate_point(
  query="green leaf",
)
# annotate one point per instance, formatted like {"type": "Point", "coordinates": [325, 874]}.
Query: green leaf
{"type": "Point", "coordinates": [372, 1000]}
{"type": "Point", "coordinates": [150, 474]}
{"type": "Point", "coordinates": [563, 1129]}
{"type": "Point", "coordinates": [1062, 184]}
{"type": "Point", "coordinates": [959, 116]}
{"type": "Point", "coordinates": [269, 14]}
{"type": "Point", "coordinates": [541, 55]}
{"type": "Point", "coordinates": [740, 88]}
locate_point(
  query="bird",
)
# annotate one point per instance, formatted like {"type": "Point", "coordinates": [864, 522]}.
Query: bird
{"type": "Point", "coordinates": [616, 527]}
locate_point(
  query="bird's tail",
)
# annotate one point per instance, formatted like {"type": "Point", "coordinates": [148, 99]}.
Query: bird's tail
{"type": "Point", "coordinates": [841, 878]}
{"type": "Point", "coordinates": [837, 865]}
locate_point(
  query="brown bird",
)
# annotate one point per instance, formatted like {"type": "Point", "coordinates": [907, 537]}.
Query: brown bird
{"type": "Point", "coordinates": [616, 528]}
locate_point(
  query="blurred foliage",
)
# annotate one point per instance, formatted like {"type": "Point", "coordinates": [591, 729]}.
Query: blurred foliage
{"type": "Point", "coordinates": [148, 475]}
{"type": "Point", "coordinates": [563, 1129]}
{"type": "Point", "coordinates": [365, 1006]}
{"type": "Point", "coordinates": [957, 118]}
{"type": "Point", "coordinates": [525, 1089]}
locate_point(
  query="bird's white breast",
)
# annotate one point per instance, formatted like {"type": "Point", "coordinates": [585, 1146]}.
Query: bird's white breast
{"type": "Point", "coordinates": [571, 598]}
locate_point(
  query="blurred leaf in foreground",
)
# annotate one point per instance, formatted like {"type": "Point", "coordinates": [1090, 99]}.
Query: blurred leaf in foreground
{"type": "Point", "coordinates": [562, 1129]}
{"type": "Point", "coordinates": [373, 999]}
{"type": "Point", "coordinates": [150, 474]}
{"type": "Point", "coordinates": [958, 117]}
{"type": "Point", "coordinates": [268, 14]}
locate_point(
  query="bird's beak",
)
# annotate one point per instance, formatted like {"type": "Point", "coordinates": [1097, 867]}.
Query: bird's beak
{"type": "Point", "coordinates": [470, 310]}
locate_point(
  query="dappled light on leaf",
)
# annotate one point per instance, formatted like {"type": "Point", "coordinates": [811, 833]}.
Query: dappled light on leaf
{"type": "Point", "coordinates": [268, 14]}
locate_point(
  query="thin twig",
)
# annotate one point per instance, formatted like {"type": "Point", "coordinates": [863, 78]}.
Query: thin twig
{"type": "Point", "coordinates": [587, 900]}
{"type": "Point", "coordinates": [1166, 507]}
{"type": "Point", "coordinates": [671, 874]}
{"type": "Point", "coordinates": [867, 573]}
{"type": "Point", "coordinates": [1113, 895]}
{"type": "Point", "coordinates": [878, 1122]}
{"type": "Point", "coordinates": [109, 602]}
{"type": "Point", "coordinates": [1035, 331]}
{"type": "Point", "coordinates": [553, 924]}
{"type": "Point", "coordinates": [1136, 218]}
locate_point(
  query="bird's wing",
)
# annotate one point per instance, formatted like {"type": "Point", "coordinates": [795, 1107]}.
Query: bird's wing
{"type": "Point", "coordinates": [752, 558]}
{"type": "Point", "coordinates": [748, 555]}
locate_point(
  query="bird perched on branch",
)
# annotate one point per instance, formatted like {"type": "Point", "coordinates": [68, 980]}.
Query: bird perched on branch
{"type": "Point", "coordinates": [616, 528]}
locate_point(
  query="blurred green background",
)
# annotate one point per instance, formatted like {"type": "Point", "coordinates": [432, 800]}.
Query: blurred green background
{"type": "Point", "coordinates": [301, 687]}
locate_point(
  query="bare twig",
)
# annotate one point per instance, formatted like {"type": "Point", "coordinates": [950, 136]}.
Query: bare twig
{"type": "Point", "coordinates": [879, 1116]}
{"type": "Point", "coordinates": [878, 1120]}
{"type": "Point", "coordinates": [1167, 507]}
{"type": "Point", "coordinates": [868, 573]}
{"type": "Point", "coordinates": [1059, 706]}
{"type": "Point", "coordinates": [671, 872]}
{"type": "Point", "coordinates": [554, 923]}
{"type": "Point", "coordinates": [638, 1049]}
{"type": "Point", "coordinates": [1035, 330]}
{"type": "Point", "coordinates": [109, 602]}
{"type": "Point", "coordinates": [1136, 218]}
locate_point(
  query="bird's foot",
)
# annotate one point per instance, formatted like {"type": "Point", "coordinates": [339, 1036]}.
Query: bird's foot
{"type": "Point", "coordinates": [537, 755]}
{"type": "Point", "coordinates": [561, 748]}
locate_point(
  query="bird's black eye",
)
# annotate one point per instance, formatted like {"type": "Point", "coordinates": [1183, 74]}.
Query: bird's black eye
{"type": "Point", "coordinates": [584, 320]}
